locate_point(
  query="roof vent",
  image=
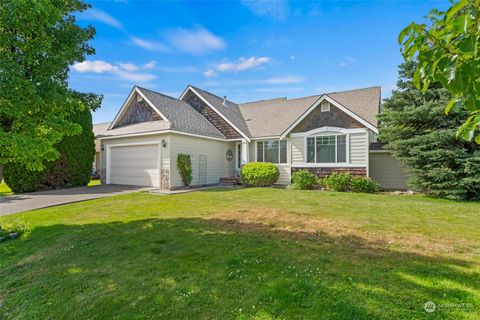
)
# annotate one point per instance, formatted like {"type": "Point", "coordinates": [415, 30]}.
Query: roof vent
{"type": "Point", "coordinates": [224, 101]}
{"type": "Point", "coordinates": [139, 98]}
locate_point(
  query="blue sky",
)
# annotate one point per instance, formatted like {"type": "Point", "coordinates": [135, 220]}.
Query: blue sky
{"type": "Point", "coordinates": [247, 50]}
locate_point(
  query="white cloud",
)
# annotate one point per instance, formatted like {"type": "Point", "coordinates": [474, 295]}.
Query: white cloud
{"type": "Point", "coordinates": [277, 9]}
{"type": "Point", "coordinates": [149, 65]}
{"type": "Point", "coordinates": [128, 66]}
{"type": "Point", "coordinates": [347, 61]}
{"type": "Point", "coordinates": [149, 45]}
{"type": "Point", "coordinates": [242, 64]}
{"type": "Point", "coordinates": [195, 41]}
{"type": "Point", "coordinates": [292, 57]}
{"type": "Point", "coordinates": [124, 71]}
{"type": "Point", "coordinates": [101, 16]}
{"type": "Point", "coordinates": [97, 66]}
{"type": "Point", "coordinates": [209, 73]}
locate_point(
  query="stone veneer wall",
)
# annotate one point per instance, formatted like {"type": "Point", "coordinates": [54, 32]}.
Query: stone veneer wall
{"type": "Point", "coordinates": [323, 172]}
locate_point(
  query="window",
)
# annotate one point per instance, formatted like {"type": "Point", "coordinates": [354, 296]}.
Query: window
{"type": "Point", "coordinates": [325, 106]}
{"type": "Point", "coordinates": [327, 149]}
{"type": "Point", "coordinates": [273, 151]}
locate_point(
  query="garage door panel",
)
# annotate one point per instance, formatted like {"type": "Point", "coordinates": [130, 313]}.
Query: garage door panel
{"type": "Point", "coordinates": [134, 165]}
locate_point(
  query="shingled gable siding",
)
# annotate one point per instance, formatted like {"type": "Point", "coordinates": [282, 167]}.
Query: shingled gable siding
{"type": "Point", "coordinates": [216, 120]}
{"type": "Point", "coordinates": [333, 118]}
{"type": "Point", "coordinates": [137, 112]}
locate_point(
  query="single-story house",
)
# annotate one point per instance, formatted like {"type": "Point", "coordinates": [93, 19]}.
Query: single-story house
{"type": "Point", "coordinates": [324, 133]}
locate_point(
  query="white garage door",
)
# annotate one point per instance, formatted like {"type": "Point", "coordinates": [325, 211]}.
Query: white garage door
{"type": "Point", "coordinates": [134, 165]}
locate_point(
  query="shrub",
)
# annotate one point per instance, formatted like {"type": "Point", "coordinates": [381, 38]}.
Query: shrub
{"type": "Point", "coordinates": [364, 184]}
{"type": "Point", "coordinates": [12, 229]}
{"type": "Point", "coordinates": [321, 183]}
{"type": "Point", "coordinates": [259, 174]}
{"type": "Point", "coordinates": [184, 167]}
{"type": "Point", "coordinates": [338, 182]}
{"type": "Point", "coordinates": [71, 169]}
{"type": "Point", "coordinates": [304, 179]}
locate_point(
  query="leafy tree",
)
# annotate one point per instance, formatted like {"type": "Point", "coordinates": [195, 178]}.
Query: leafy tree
{"type": "Point", "coordinates": [72, 169]}
{"type": "Point", "coordinates": [39, 40]}
{"type": "Point", "coordinates": [447, 51]}
{"type": "Point", "coordinates": [420, 135]}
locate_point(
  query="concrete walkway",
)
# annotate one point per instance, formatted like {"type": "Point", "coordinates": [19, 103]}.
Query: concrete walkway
{"type": "Point", "coordinates": [37, 200]}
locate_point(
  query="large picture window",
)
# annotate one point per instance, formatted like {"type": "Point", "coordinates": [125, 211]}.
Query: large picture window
{"type": "Point", "coordinates": [273, 151]}
{"type": "Point", "coordinates": [327, 149]}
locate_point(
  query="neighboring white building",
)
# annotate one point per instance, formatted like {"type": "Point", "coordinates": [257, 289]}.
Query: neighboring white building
{"type": "Point", "coordinates": [322, 133]}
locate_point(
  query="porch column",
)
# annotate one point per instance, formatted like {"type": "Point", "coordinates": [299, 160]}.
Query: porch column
{"type": "Point", "coordinates": [244, 153]}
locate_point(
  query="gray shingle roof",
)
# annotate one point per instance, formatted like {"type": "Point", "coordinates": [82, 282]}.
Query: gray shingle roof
{"type": "Point", "coordinates": [258, 119]}
{"type": "Point", "coordinates": [230, 111]}
{"type": "Point", "coordinates": [100, 128]}
{"type": "Point", "coordinates": [363, 102]}
{"type": "Point", "coordinates": [137, 128]}
{"type": "Point", "coordinates": [272, 117]}
{"type": "Point", "coordinates": [182, 116]}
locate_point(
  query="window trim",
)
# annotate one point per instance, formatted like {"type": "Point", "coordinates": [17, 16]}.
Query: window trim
{"type": "Point", "coordinates": [263, 150]}
{"type": "Point", "coordinates": [328, 133]}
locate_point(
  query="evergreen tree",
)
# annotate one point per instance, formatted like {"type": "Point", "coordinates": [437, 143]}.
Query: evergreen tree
{"type": "Point", "coordinates": [419, 134]}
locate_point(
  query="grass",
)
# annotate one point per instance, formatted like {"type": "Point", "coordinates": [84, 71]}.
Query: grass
{"type": "Point", "coordinates": [6, 191]}
{"type": "Point", "coordinates": [245, 254]}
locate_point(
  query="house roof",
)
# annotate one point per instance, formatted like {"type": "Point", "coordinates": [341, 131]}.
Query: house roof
{"type": "Point", "coordinates": [100, 128]}
{"type": "Point", "coordinates": [180, 115]}
{"type": "Point", "coordinates": [363, 102]}
{"type": "Point", "coordinates": [265, 118]}
{"type": "Point", "coordinates": [268, 118]}
{"type": "Point", "coordinates": [230, 110]}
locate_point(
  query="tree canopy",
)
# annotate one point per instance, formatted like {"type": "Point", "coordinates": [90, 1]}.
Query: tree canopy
{"type": "Point", "coordinates": [419, 134]}
{"type": "Point", "coordinates": [39, 40]}
{"type": "Point", "coordinates": [447, 51]}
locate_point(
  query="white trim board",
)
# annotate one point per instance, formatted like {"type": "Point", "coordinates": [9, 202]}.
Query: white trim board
{"type": "Point", "coordinates": [328, 165]}
{"type": "Point", "coordinates": [214, 109]}
{"type": "Point", "coordinates": [127, 103]}
{"type": "Point", "coordinates": [336, 104]}
{"type": "Point", "coordinates": [161, 132]}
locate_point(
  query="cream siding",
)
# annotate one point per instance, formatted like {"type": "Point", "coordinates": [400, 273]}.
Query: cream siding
{"type": "Point", "coordinates": [217, 164]}
{"type": "Point", "coordinates": [358, 148]}
{"type": "Point", "coordinates": [298, 149]}
{"type": "Point", "coordinates": [386, 170]}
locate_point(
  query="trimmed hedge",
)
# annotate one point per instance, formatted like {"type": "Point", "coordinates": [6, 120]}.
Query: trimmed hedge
{"type": "Point", "coordinates": [259, 174]}
{"type": "Point", "coordinates": [338, 182]}
{"type": "Point", "coordinates": [303, 180]}
{"type": "Point", "coordinates": [364, 185]}
{"type": "Point", "coordinates": [72, 169]}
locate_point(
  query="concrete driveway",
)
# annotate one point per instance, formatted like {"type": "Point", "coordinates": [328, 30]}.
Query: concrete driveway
{"type": "Point", "coordinates": [43, 199]}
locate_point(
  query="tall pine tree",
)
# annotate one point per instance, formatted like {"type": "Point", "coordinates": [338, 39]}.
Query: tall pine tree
{"type": "Point", "coordinates": [419, 134]}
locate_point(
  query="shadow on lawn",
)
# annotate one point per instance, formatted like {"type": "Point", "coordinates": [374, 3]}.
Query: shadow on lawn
{"type": "Point", "coordinates": [216, 269]}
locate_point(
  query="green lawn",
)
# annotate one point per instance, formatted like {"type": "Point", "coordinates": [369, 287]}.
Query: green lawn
{"type": "Point", "coordinates": [4, 189]}
{"type": "Point", "coordinates": [245, 254]}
